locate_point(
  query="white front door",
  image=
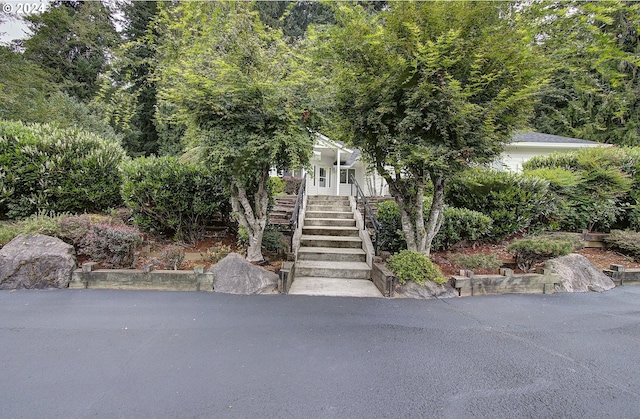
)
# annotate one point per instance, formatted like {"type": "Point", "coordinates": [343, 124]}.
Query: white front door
{"type": "Point", "coordinates": [324, 181]}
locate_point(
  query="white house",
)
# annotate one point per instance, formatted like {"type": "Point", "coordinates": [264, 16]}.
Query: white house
{"type": "Point", "coordinates": [332, 166]}
{"type": "Point", "coordinates": [526, 145]}
{"type": "Point", "coordinates": [332, 163]}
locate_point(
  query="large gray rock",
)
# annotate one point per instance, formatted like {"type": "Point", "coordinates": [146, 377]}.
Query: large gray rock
{"type": "Point", "coordinates": [36, 261]}
{"type": "Point", "coordinates": [578, 274]}
{"type": "Point", "coordinates": [427, 291]}
{"type": "Point", "coordinates": [234, 275]}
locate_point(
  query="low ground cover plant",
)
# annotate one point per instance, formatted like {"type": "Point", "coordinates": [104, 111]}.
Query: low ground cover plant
{"type": "Point", "coordinates": [475, 261]}
{"type": "Point", "coordinates": [409, 265]}
{"type": "Point", "coordinates": [531, 251]}
{"type": "Point", "coordinates": [626, 242]}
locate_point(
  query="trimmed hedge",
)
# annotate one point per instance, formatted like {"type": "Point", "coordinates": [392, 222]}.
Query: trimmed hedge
{"type": "Point", "coordinates": [459, 224]}
{"type": "Point", "coordinates": [44, 168]}
{"type": "Point", "coordinates": [171, 196]}
{"type": "Point", "coordinates": [513, 201]}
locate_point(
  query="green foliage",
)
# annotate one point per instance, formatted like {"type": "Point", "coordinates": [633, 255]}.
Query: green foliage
{"type": "Point", "coordinates": [276, 186]}
{"type": "Point", "coordinates": [409, 265]}
{"type": "Point", "coordinates": [112, 245]}
{"type": "Point", "coordinates": [459, 224]}
{"type": "Point", "coordinates": [240, 93]}
{"type": "Point", "coordinates": [167, 195]}
{"type": "Point", "coordinates": [462, 224]}
{"type": "Point", "coordinates": [475, 261]}
{"type": "Point", "coordinates": [44, 168]}
{"type": "Point", "coordinates": [428, 88]}
{"type": "Point", "coordinates": [390, 237]}
{"type": "Point", "coordinates": [592, 49]}
{"type": "Point", "coordinates": [626, 242]}
{"type": "Point", "coordinates": [28, 94]}
{"type": "Point", "coordinates": [273, 240]}
{"type": "Point", "coordinates": [41, 223]}
{"type": "Point", "coordinates": [513, 201]}
{"type": "Point", "coordinates": [575, 238]}
{"type": "Point", "coordinates": [70, 41]}
{"type": "Point", "coordinates": [529, 252]}
{"type": "Point", "coordinates": [591, 186]}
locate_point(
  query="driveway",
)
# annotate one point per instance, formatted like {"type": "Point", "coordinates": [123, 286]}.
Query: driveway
{"type": "Point", "coordinates": [139, 354]}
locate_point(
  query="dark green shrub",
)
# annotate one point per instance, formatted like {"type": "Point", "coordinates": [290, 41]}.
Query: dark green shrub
{"type": "Point", "coordinates": [459, 224]}
{"type": "Point", "coordinates": [512, 201]}
{"type": "Point", "coordinates": [170, 196]}
{"type": "Point", "coordinates": [111, 245]}
{"type": "Point", "coordinates": [414, 266]}
{"type": "Point", "coordinates": [529, 252]}
{"type": "Point", "coordinates": [44, 168]}
{"type": "Point", "coordinates": [475, 261]}
{"type": "Point", "coordinates": [626, 242]}
{"type": "Point", "coordinates": [272, 240]}
{"type": "Point", "coordinates": [390, 237]}
{"type": "Point", "coordinates": [592, 186]}
{"type": "Point", "coordinates": [292, 185]}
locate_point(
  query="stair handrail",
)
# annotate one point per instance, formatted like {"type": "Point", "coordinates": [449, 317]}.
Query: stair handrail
{"type": "Point", "coordinates": [293, 222]}
{"type": "Point", "coordinates": [367, 209]}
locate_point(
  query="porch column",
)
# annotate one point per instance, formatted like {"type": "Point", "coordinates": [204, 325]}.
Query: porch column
{"type": "Point", "coordinates": [338, 172]}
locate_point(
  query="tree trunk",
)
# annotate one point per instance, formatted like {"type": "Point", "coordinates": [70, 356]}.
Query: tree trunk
{"type": "Point", "coordinates": [418, 236]}
{"type": "Point", "coordinates": [252, 218]}
{"type": "Point", "coordinates": [435, 214]}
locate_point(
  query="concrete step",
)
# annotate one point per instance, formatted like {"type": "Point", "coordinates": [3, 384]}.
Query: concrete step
{"type": "Point", "coordinates": [332, 198]}
{"type": "Point", "coordinates": [328, 207]}
{"type": "Point", "coordinates": [331, 241]}
{"type": "Point", "coordinates": [334, 287]}
{"type": "Point", "coordinates": [343, 222]}
{"type": "Point", "coordinates": [330, 230]}
{"type": "Point", "coordinates": [332, 269]}
{"type": "Point", "coordinates": [329, 214]}
{"type": "Point", "coordinates": [332, 254]}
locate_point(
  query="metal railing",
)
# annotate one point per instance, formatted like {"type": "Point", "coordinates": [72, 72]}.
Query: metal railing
{"type": "Point", "coordinates": [368, 212]}
{"type": "Point", "coordinates": [293, 222]}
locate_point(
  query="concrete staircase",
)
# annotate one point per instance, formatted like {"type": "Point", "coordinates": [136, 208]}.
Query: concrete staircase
{"type": "Point", "coordinates": [331, 260]}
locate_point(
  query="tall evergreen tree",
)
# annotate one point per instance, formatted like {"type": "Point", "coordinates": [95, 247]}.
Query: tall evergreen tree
{"type": "Point", "coordinates": [71, 41]}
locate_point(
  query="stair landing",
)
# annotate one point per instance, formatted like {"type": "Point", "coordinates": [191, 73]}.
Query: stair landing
{"type": "Point", "coordinates": [334, 287]}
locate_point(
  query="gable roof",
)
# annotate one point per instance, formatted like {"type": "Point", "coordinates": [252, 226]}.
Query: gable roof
{"type": "Point", "coordinates": [540, 138]}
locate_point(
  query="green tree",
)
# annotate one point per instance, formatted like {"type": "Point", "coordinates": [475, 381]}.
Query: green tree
{"type": "Point", "coordinates": [128, 94]}
{"type": "Point", "coordinates": [426, 89]}
{"type": "Point", "coordinates": [28, 94]}
{"type": "Point", "coordinates": [71, 41]}
{"type": "Point", "coordinates": [239, 90]}
{"type": "Point", "coordinates": [593, 47]}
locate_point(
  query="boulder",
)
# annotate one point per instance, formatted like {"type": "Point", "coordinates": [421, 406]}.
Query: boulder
{"type": "Point", "coordinates": [578, 274]}
{"type": "Point", "coordinates": [234, 275]}
{"type": "Point", "coordinates": [36, 261]}
{"type": "Point", "coordinates": [427, 291]}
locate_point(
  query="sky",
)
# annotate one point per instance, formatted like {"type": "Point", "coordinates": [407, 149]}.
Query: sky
{"type": "Point", "coordinates": [14, 27]}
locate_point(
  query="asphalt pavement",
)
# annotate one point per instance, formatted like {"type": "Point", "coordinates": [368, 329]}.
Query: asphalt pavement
{"type": "Point", "coordinates": [142, 354]}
